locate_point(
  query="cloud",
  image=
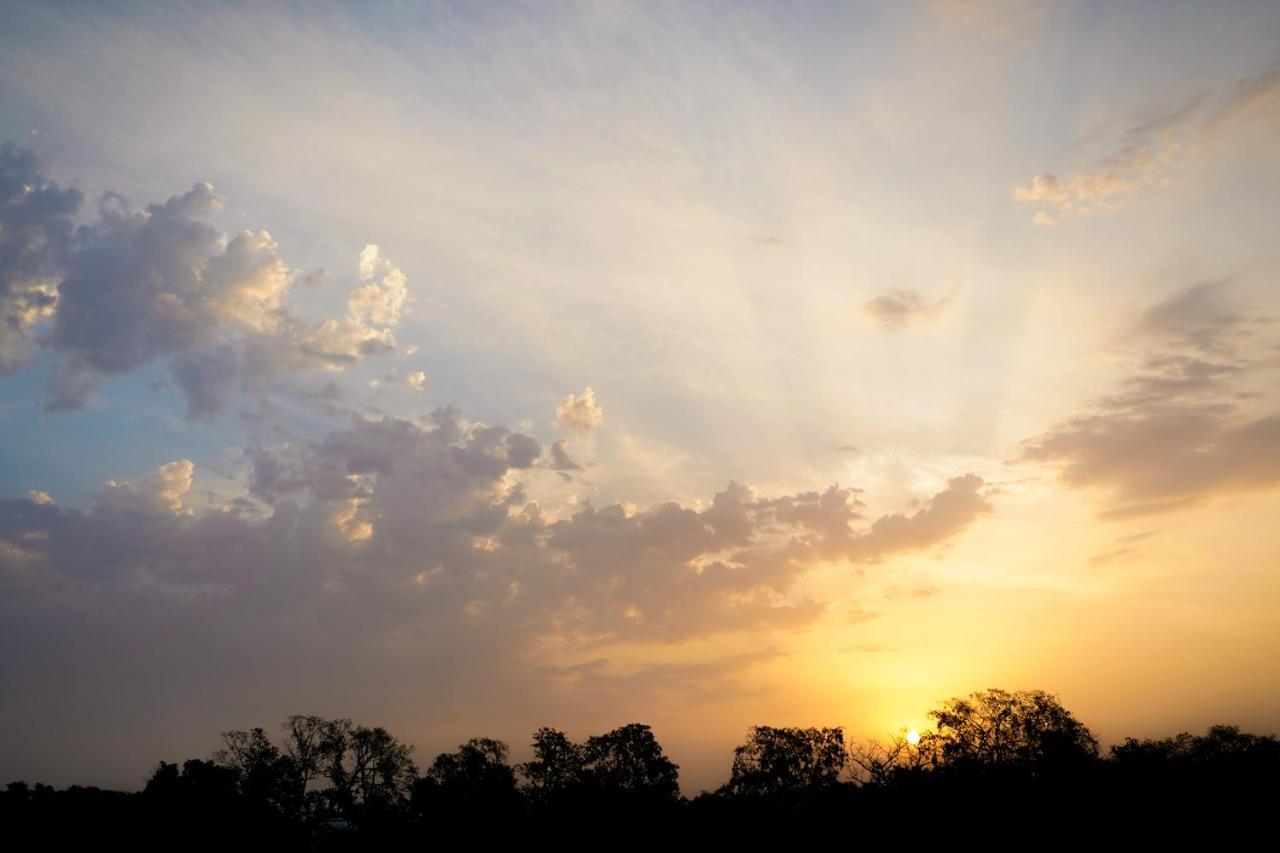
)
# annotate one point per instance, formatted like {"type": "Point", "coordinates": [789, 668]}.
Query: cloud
{"type": "Point", "coordinates": [899, 309]}
{"type": "Point", "coordinates": [560, 459]}
{"type": "Point", "coordinates": [1178, 430]}
{"type": "Point", "coordinates": [950, 512]}
{"type": "Point", "coordinates": [160, 492]}
{"type": "Point", "coordinates": [415, 380]}
{"type": "Point", "coordinates": [1081, 193]}
{"type": "Point", "coordinates": [580, 412]}
{"type": "Point", "coordinates": [370, 261]}
{"type": "Point", "coordinates": [377, 304]}
{"type": "Point", "coordinates": [134, 287]}
{"type": "Point", "coordinates": [389, 534]}
{"type": "Point", "coordinates": [1200, 317]}
{"type": "Point", "coordinates": [398, 565]}
{"type": "Point", "coordinates": [1149, 152]}
{"type": "Point", "coordinates": [1252, 95]}
{"type": "Point", "coordinates": [35, 237]}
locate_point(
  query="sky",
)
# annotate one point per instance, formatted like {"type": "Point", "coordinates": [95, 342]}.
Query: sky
{"type": "Point", "coordinates": [468, 368]}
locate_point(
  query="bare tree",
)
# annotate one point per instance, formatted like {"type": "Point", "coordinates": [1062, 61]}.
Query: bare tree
{"type": "Point", "coordinates": [876, 763]}
{"type": "Point", "coordinates": [304, 743]}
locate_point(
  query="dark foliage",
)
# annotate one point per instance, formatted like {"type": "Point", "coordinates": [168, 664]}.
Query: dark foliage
{"type": "Point", "coordinates": [995, 763]}
{"type": "Point", "coordinates": [786, 762]}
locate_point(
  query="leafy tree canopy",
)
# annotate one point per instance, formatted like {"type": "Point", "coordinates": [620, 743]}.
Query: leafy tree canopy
{"type": "Point", "coordinates": [782, 760]}
{"type": "Point", "coordinates": [1001, 728]}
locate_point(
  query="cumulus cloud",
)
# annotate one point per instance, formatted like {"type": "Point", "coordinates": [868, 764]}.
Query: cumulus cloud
{"type": "Point", "coordinates": [899, 309]}
{"type": "Point", "coordinates": [1149, 152]}
{"type": "Point", "coordinates": [388, 543]}
{"type": "Point", "coordinates": [580, 412]}
{"type": "Point", "coordinates": [134, 287]}
{"type": "Point", "coordinates": [35, 237]}
{"type": "Point", "coordinates": [161, 491]}
{"type": "Point", "coordinates": [1179, 429]}
{"type": "Point", "coordinates": [445, 509]}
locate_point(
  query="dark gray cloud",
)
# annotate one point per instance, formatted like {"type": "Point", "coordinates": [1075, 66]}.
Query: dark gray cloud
{"type": "Point", "coordinates": [1179, 429]}
{"type": "Point", "coordinates": [134, 287]}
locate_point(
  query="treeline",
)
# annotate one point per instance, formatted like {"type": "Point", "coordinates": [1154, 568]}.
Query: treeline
{"type": "Point", "coordinates": [992, 761]}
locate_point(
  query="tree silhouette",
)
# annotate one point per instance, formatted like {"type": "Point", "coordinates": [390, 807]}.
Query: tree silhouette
{"type": "Point", "coordinates": [996, 759]}
{"type": "Point", "coordinates": [370, 773]}
{"type": "Point", "coordinates": [629, 761]}
{"type": "Point", "coordinates": [475, 780]}
{"type": "Point", "coordinates": [883, 763]}
{"type": "Point", "coordinates": [557, 769]}
{"type": "Point", "coordinates": [998, 728]}
{"type": "Point", "coordinates": [305, 739]}
{"type": "Point", "coordinates": [787, 761]}
{"type": "Point", "coordinates": [267, 780]}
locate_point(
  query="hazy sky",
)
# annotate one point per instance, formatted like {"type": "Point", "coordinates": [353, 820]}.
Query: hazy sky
{"type": "Point", "coordinates": [466, 368]}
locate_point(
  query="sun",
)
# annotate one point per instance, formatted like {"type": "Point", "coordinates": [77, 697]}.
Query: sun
{"type": "Point", "coordinates": [913, 737]}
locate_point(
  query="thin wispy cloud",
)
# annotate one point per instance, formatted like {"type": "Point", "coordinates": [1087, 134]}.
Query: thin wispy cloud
{"type": "Point", "coordinates": [1180, 429]}
{"type": "Point", "coordinates": [1151, 153]}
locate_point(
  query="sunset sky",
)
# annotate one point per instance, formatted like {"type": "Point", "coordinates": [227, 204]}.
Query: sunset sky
{"type": "Point", "coordinates": [467, 368]}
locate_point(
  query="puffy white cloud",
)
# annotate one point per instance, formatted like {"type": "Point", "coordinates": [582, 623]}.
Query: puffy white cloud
{"type": "Point", "coordinates": [580, 411]}
{"type": "Point", "coordinates": [369, 262]}
{"type": "Point", "coordinates": [378, 304]}
{"type": "Point", "coordinates": [161, 491]}
{"type": "Point", "coordinates": [134, 287]}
